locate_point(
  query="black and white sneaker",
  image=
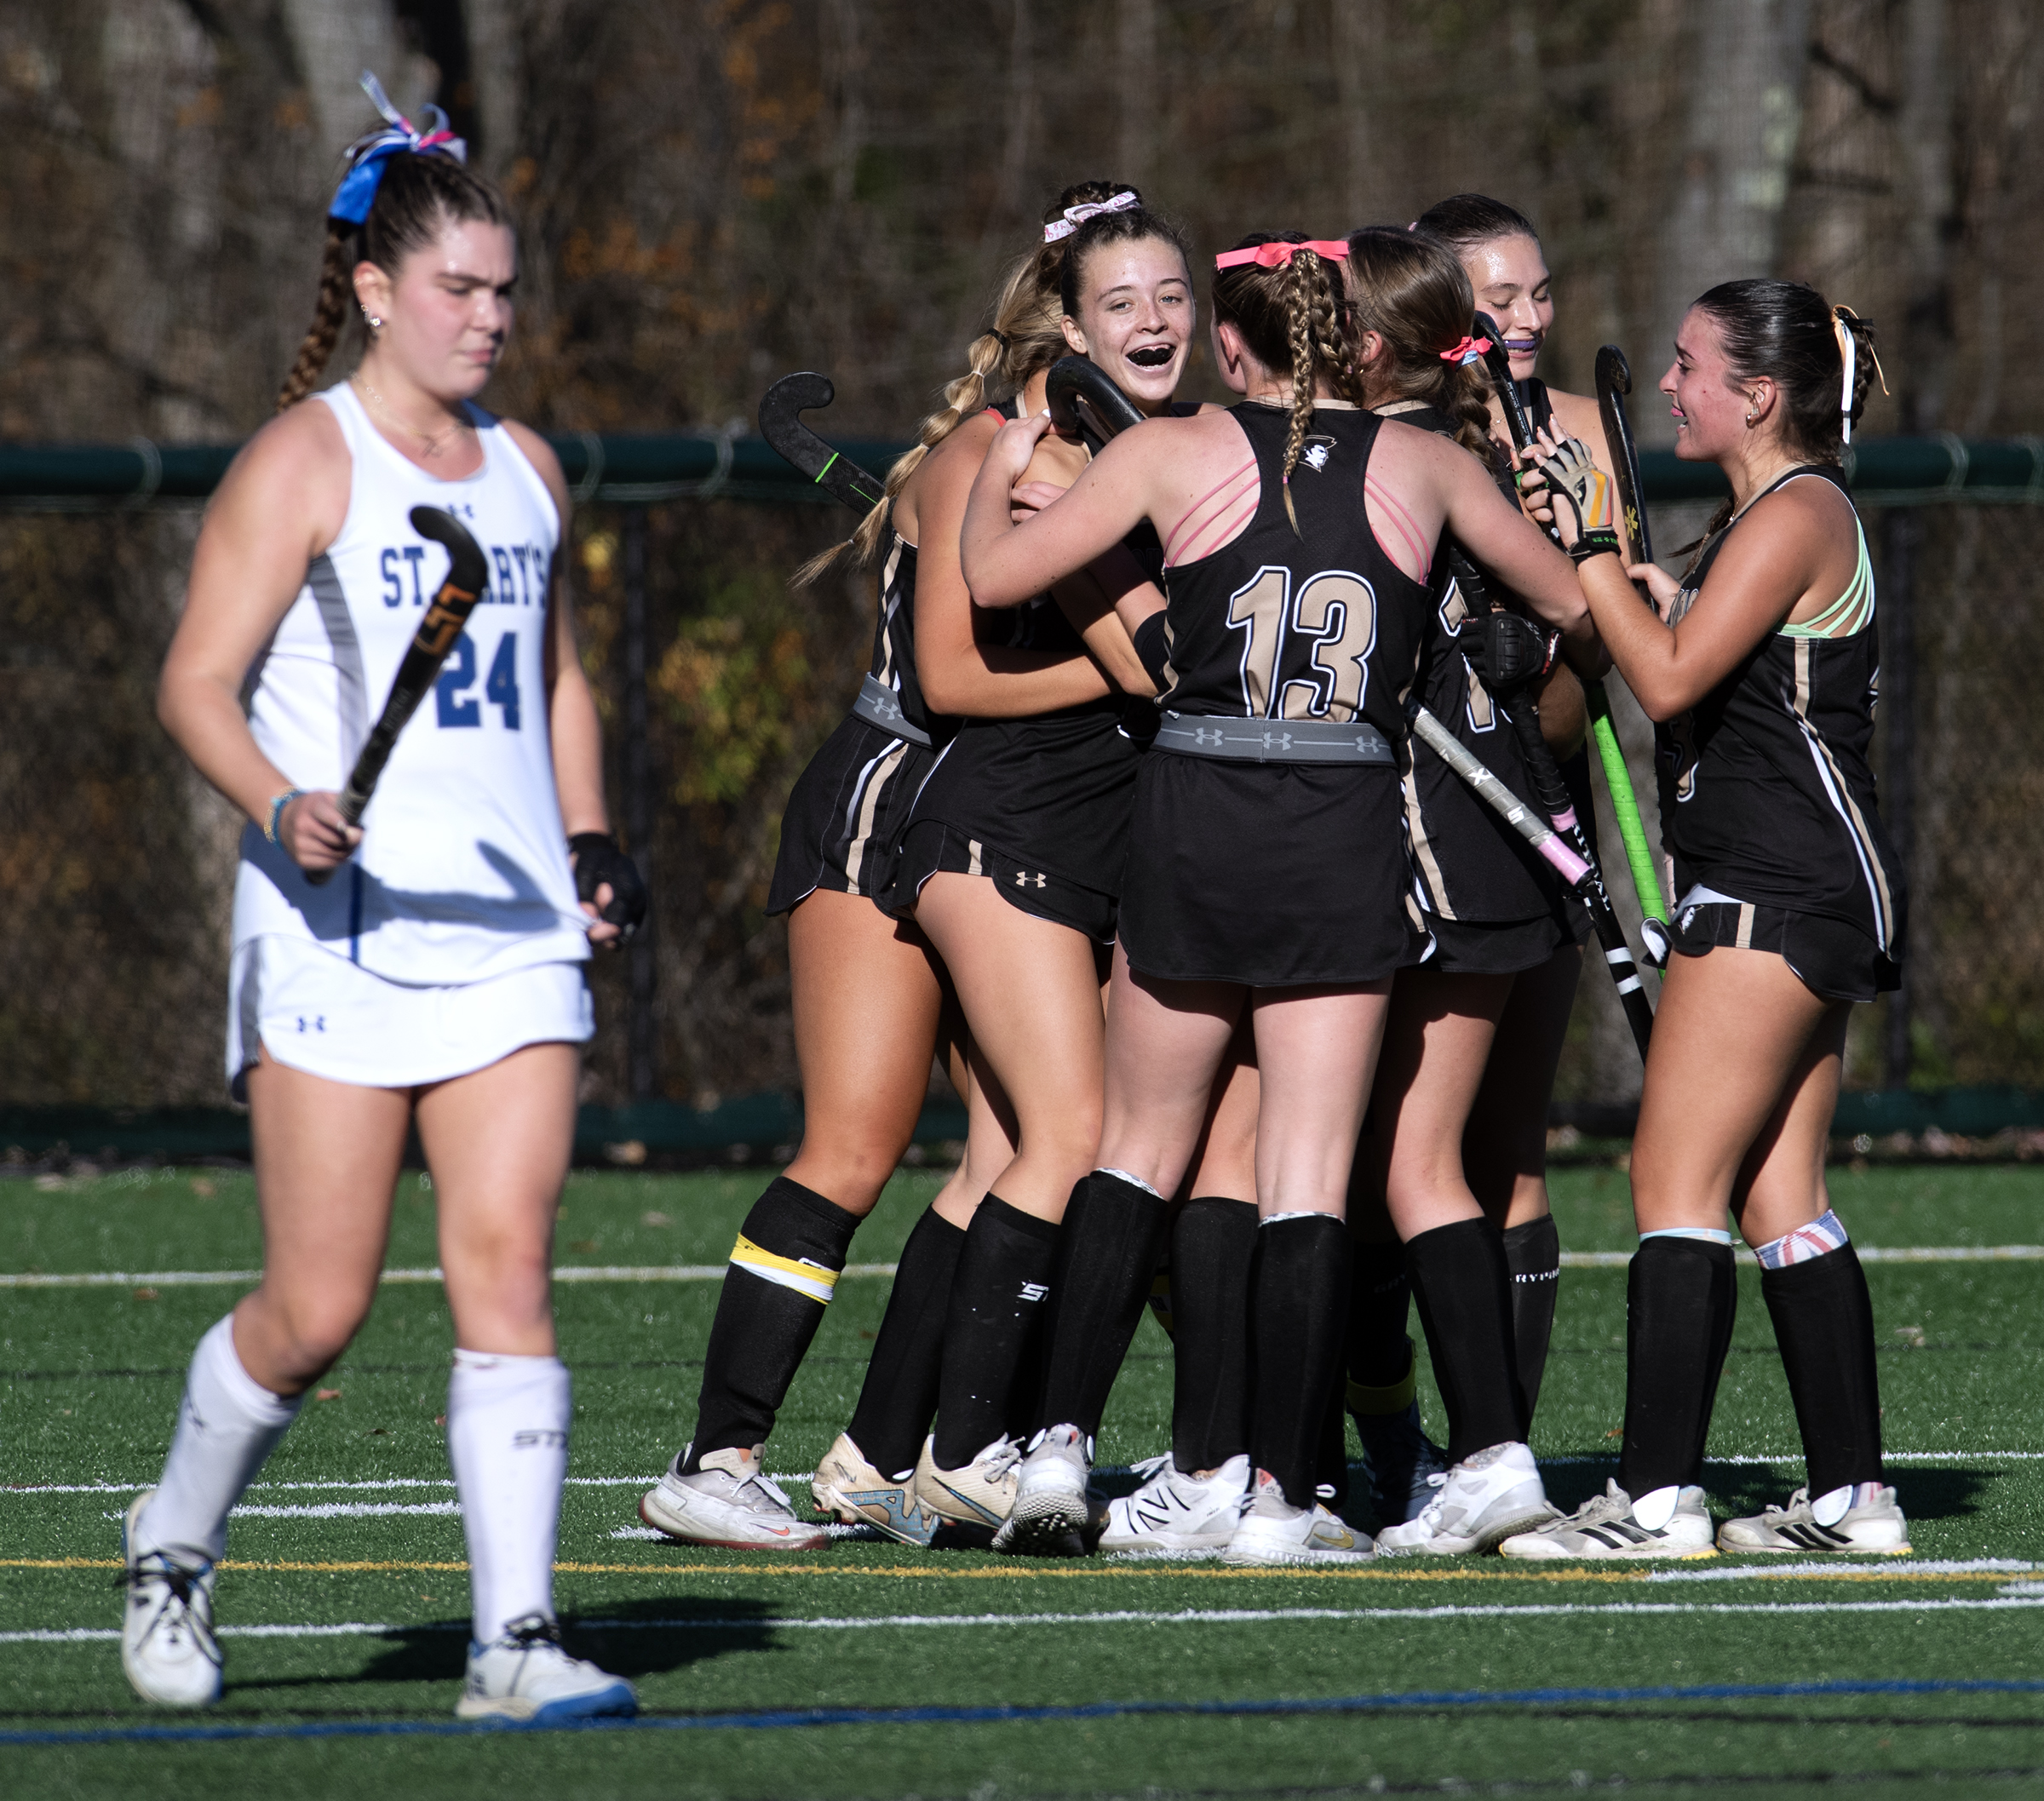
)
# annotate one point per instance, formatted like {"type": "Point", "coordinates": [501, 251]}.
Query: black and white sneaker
{"type": "Point", "coordinates": [1670, 1522]}
{"type": "Point", "coordinates": [1861, 1518]}
{"type": "Point", "coordinates": [166, 1645]}
{"type": "Point", "coordinates": [1174, 1512]}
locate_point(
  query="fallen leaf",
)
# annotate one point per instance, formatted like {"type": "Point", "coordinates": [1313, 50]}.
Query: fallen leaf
{"type": "Point", "coordinates": [586, 1247]}
{"type": "Point", "coordinates": [202, 1185]}
{"type": "Point", "coordinates": [375, 1431]}
{"type": "Point", "coordinates": [145, 1294]}
{"type": "Point", "coordinates": [439, 1418]}
{"type": "Point", "coordinates": [327, 1394]}
{"type": "Point", "coordinates": [655, 1218]}
{"type": "Point", "coordinates": [1616, 1431]}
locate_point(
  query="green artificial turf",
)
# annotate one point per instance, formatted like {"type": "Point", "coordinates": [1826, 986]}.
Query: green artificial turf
{"type": "Point", "coordinates": [92, 1375]}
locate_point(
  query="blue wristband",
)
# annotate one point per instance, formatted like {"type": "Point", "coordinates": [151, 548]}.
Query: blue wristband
{"type": "Point", "coordinates": [277, 807]}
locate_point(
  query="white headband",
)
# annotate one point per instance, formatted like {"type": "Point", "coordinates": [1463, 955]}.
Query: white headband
{"type": "Point", "coordinates": [1075, 216]}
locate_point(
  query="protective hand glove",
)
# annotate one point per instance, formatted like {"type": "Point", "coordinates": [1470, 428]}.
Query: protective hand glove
{"type": "Point", "coordinates": [1578, 487]}
{"type": "Point", "coordinates": [1508, 650]}
{"type": "Point", "coordinates": [598, 860]}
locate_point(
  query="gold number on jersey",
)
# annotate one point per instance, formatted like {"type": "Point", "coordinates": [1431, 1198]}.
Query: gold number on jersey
{"type": "Point", "coordinates": [1339, 612]}
{"type": "Point", "coordinates": [1257, 609]}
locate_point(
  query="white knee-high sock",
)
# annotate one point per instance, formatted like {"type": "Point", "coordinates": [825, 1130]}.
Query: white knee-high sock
{"type": "Point", "coordinates": [507, 1436]}
{"type": "Point", "coordinates": [226, 1425]}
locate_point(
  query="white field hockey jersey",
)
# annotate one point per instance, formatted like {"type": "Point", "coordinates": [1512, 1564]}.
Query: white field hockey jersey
{"type": "Point", "coordinates": [463, 872]}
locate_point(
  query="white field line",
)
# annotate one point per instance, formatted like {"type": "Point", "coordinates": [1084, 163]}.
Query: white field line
{"type": "Point", "coordinates": [862, 1271]}
{"type": "Point", "coordinates": [1119, 1616]}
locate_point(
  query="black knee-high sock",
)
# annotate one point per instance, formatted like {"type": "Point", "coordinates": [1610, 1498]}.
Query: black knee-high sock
{"type": "Point", "coordinates": [1464, 1292]}
{"type": "Point", "coordinates": [1533, 1255]}
{"type": "Point", "coordinates": [1213, 1242]}
{"type": "Point", "coordinates": [1333, 1486]}
{"type": "Point", "coordinates": [1298, 1329]}
{"type": "Point", "coordinates": [782, 1269]}
{"type": "Point", "coordinates": [1107, 1256]}
{"type": "Point", "coordinates": [1380, 1354]}
{"type": "Point", "coordinates": [899, 1400]}
{"type": "Point", "coordinates": [1680, 1297]}
{"type": "Point", "coordinates": [1823, 1321]}
{"type": "Point", "coordinates": [997, 1292]}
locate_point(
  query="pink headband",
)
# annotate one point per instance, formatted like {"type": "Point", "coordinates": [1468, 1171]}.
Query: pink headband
{"type": "Point", "coordinates": [1075, 216]}
{"type": "Point", "coordinates": [1470, 350]}
{"type": "Point", "coordinates": [1276, 256]}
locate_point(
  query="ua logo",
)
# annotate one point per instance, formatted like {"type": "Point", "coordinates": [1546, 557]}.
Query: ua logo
{"type": "Point", "coordinates": [1022, 879]}
{"type": "Point", "coordinates": [318, 1023]}
{"type": "Point", "coordinates": [1034, 1291]}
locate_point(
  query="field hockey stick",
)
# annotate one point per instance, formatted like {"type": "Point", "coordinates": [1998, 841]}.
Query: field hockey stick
{"type": "Point", "coordinates": [1495, 795]}
{"type": "Point", "coordinates": [781, 426]}
{"type": "Point", "coordinates": [467, 575]}
{"type": "Point", "coordinates": [1078, 383]}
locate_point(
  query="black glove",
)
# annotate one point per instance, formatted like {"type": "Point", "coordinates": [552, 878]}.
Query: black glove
{"type": "Point", "coordinates": [1508, 650]}
{"type": "Point", "coordinates": [1152, 647]}
{"type": "Point", "coordinates": [598, 860]}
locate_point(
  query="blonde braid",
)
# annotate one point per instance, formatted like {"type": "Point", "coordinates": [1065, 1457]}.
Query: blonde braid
{"type": "Point", "coordinates": [1301, 271]}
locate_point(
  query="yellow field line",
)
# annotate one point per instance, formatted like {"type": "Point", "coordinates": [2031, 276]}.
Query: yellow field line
{"type": "Point", "coordinates": [1520, 1578]}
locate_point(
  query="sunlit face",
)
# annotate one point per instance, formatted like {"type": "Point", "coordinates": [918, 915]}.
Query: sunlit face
{"type": "Point", "coordinates": [448, 314]}
{"type": "Point", "coordinates": [1136, 318]}
{"type": "Point", "coordinates": [1708, 402]}
{"type": "Point", "coordinates": [1510, 278]}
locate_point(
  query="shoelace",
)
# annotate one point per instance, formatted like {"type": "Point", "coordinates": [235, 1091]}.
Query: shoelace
{"type": "Point", "coordinates": [999, 1458]}
{"type": "Point", "coordinates": [1149, 1466]}
{"type": "Point", "coordinates": [760, 1480]}
{"type": "Point", "coordinates": [176, 1612]}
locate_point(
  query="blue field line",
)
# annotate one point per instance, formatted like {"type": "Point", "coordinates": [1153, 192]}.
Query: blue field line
{"type": "Point", "coordinates": [778, 1720]}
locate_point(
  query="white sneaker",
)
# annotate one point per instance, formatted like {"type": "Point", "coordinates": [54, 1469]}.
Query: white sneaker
{"type": "Point", "coordinates": [848, 1486]}
{"type": "Point", "coordinates": [730, 1502]}
{"type": "Point", "coordinates": [1610, 1527]}
{"type": "Point", "coordinates": [979, 1495]}
{"type": "Point", "coordinates": [1050, 1506]}
{"type": "Point", "coordinates": [1862, 1519]}
{"type": "Point", "coordinates": [1175, 1511]}
{"type": "Point", "coordinates": [525, 1676]}
{"type": "Point", "coordinates": [167, 1642]}
{"type": "Point", "coordinates": [1272, 1531]}
{"type": "Point", "coordinates": [1477, 1504]}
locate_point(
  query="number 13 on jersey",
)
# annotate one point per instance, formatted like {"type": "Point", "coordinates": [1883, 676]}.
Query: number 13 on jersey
{"type": "Point", "coordinates": [1304, 654]}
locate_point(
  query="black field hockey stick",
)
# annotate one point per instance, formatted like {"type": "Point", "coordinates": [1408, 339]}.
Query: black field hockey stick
{"type": "Point", "coordinates": [467, 575]}
{"type": "Point", "coordinates": [1081, 393]}
{"type": "Point", "coordinates": [1614, 383]}
{"type": "Point", "coordinates": [781, 425]}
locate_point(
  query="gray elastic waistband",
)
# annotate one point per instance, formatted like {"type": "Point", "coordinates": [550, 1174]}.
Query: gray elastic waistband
{"type": "Point", "coordinates": [878, 705]}
{"type": "Point", "coordinates": [1273, 741]}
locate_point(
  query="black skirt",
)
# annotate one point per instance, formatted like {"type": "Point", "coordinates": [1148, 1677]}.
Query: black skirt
{"type": "Point", "coordinates": [1271, 874]}
{"type": "Point", "coordinates": [841, 828]}
{"type": "Point", "coordinates": [1495, 947]}
{"type": "Point", "coordinates": [1832, 958]}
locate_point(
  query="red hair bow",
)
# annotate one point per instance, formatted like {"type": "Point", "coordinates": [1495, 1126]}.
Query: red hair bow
{"type": "Point", "coordinates": [1465, 352]}
{"type": "Point", "coordinates": [1276, 256]}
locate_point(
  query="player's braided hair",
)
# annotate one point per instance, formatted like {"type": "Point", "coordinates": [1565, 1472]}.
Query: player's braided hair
{"type": "Point", "coordinates": [1024, 338]}
{"type": "Point", "coordinates": [1291, 318]}
{"type": "Point", "coordinates": [1788, 332]}
{"type": "Point", "coordinates": [1412, 290]}
{"type": "Point", "coordinates": [417, 198]}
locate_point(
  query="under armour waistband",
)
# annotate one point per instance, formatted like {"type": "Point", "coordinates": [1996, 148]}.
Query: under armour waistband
{"type": "Point", "coordinates": [880, 705]}
{"type": "Point", "coordinates": [1273, 741]}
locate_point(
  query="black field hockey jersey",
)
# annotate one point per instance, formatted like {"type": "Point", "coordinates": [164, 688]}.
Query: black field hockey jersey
{"type": "Point", "coordinates": [893, 665]}
{"type": "Point", "coordinates": [1318, 623]}
{"type": "Point", "coordinates": [1467, 864]}
{"type": "Point", "coordinates": [1767, 794]}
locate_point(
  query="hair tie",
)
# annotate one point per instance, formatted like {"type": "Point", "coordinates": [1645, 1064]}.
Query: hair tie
{"type": "Point", "coordinates": [1278, 255]}
{"type": "Point", "coordinates": [1003, 339]}
{"type": "Point", "coordinates": [1074, 216]}
{"type": "Point", "coordinates": [1470, 350]}
{"type": "Point", "coordinates": [1848, 355]}
{"type": "Point", "coordinates": [367, 156]}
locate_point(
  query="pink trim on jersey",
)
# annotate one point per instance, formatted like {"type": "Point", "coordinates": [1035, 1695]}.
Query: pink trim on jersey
{"type": "Point", "coordinates": [1403, 523]}
{"type": "Point", "coordinates": [1220, 513]}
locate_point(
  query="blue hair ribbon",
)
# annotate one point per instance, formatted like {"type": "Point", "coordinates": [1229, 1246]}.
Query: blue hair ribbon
{"type": "Point", "coordinates": [367, 156]}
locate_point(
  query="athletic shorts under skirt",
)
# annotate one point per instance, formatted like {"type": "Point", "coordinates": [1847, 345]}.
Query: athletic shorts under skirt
{"type": "Point", "coordinates": [313, 1010]}
{"type": "Point", "coordinates": [1271, 874]}
{"type": "Point", "coordinates": [1836, 961]}
{"type": "Point", "coordinates": [842, 825]}
{"type": "Point", "coordinates": [930, 847]}
{"type": "Point", "coordinates": [1495, 947]}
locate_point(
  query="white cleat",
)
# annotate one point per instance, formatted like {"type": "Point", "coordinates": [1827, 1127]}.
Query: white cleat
{"type": "Point", "coordinates": [729, 1502]}
{"type": "Point", "coordinates": [527, 1679]}
{"type": "Point", "coordinates": [1862, 1518]}
{"type": "Point", "coordinates": [1051, 1510]}
{"type": "Point", "coordinates": [1173, 1511]}
{"type": "Point", "coordinates": [978, 1495]}
{"type": "Point", "coordinates": [167, 1642]}
{"type": "Point", "coordinates": [846, 1484]}
{"type": "Point", "coordinates": [1669, 1523]}
{"type": "Point", "coordinates": [1476, 1505]}
{"type": "Point", "coordinates": [1272, 1531]}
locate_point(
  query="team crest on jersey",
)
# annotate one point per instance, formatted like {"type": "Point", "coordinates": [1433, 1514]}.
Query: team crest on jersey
{"type": "Point", "coordinates": [1316, 451]}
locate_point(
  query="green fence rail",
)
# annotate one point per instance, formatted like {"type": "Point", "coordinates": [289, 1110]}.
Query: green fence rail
{"type": "Point", "coordinates": [646, 469]}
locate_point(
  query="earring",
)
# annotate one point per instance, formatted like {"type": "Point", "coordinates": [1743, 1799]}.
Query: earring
{"type": "Point", "coordinates": [375, 323]}
{"type": "Point", "coordinates": [1750, 419]}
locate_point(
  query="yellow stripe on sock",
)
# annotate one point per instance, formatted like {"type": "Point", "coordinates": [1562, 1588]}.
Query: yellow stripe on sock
{"type": "Point", "coordinates": [812, 1279]}
{"type": "Point", "coordinates": [1395, 1399]}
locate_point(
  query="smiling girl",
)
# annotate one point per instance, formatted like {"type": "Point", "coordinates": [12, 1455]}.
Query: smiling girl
{"type": "Point", "coordinates": [438, 982]}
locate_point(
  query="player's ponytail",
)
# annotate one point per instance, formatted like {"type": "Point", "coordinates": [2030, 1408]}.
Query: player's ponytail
{"type": "Point", "coordinates": [400, 188]}
{"type": "Point", "coordinates": [1024, 338]}
{"type": "Point", "coordinates": [1283, 292]}
{"type": "Point", "coordinates": [1791, 334]}
{"type": "Point", "coordinates": [1414, 293]}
